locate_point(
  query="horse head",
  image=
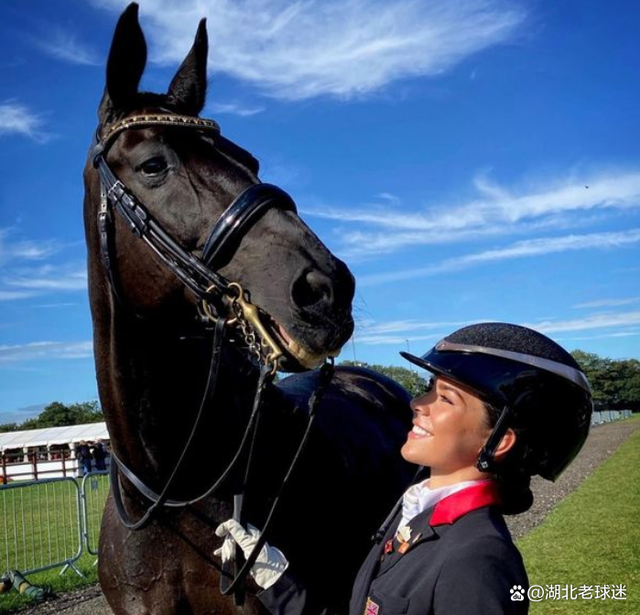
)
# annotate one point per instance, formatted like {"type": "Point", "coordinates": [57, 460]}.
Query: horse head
{"type": "Point", "coordinates": [184, 175]}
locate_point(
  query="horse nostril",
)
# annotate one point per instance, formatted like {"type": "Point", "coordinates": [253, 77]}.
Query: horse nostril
{"type": "Point", "coordinates": [311, 288]}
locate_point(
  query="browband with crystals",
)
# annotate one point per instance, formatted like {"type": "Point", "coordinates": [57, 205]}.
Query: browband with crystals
{"type": "Point", "coordinates": [150, 120]}
{"type": "Point", "coordinates": [564, 371]}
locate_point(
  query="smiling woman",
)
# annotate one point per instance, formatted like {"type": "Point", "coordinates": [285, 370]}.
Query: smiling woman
{"type": "Point", "coordinates": [506, 403]}
{"type": "Point", "coordinates": [450, 426]}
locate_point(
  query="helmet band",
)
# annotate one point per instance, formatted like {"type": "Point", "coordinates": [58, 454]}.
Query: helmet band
{"type": "Point", "coordinates": [564, 371]}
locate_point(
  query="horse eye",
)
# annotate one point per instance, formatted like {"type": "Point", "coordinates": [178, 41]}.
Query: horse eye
{"type": "Point", "coordinates": [154, 166]}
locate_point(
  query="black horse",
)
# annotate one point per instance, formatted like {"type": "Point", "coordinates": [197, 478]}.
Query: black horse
{"type": "Point", "coordinates": [179, 345]}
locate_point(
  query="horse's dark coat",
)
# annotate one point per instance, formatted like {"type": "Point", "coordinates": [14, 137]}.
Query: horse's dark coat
{"type": "Point", "coordinates": [152, 358]}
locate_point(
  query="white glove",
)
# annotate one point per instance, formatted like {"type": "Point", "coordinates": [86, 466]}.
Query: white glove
{"type": "Point", "coordinates": [269, 565]}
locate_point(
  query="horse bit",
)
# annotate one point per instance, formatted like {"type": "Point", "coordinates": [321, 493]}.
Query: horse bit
{"type": "Point", "coordinates": [201, 277]}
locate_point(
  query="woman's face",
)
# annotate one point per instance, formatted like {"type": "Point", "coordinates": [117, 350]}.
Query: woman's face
{"type": "Point", "coordinates": [449, 430]}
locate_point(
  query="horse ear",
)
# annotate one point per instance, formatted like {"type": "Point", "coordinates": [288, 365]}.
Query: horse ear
{"type": "Point", "coordinates": [127, 59]}
{"type": "Point", "coordinates": [188, 88]}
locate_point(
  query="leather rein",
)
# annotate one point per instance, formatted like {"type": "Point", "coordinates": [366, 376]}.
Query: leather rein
{"type": "Point", "coordinates": [199, 274]}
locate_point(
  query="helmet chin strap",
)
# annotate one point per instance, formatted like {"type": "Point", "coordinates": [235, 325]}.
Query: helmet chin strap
{"type": "Point", "coordinates": [486, 459]}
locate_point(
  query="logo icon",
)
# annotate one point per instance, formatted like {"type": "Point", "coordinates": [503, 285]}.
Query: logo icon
{"type": "Point", "coordinates": [517, 593]}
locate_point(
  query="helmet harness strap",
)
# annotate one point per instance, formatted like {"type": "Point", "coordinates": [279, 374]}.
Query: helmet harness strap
{"type": "Point", "coordinates": [486, 459]}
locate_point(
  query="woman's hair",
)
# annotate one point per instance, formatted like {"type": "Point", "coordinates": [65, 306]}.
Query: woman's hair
{"type": "Point", "coordinates": [511, 473]}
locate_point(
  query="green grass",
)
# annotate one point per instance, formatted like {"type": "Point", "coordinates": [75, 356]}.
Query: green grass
{"type": "Point", "coordinates": [592, 538]}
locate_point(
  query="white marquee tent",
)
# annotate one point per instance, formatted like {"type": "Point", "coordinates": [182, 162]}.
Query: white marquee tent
{"type": "Point", "coordinates": [52, 435]}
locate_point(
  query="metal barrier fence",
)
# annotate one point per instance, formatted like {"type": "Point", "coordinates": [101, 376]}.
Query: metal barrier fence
{"type": "Point", "coordinates": [50, 523]}
{"type": "Point", "coordinates": [41, 524]}
{"type": "Point", "coordinates": [607, 416]}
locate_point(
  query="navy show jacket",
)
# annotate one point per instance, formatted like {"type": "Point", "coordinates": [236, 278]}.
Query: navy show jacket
{"type": "Point", "coordinates": [458, 560]}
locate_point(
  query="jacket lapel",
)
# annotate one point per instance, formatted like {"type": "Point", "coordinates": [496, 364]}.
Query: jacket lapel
{"type": "Point", "coordinates": [420, 531]}
{"type": "Point", "coordinates": [444, 513]}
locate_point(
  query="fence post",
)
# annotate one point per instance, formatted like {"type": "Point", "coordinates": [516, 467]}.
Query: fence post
{"type": "Point", "coordinates": [94, 491]}
{"type": "Point", "coordinates": [71, 562]}
{"type": "Point", "coordinates": [34, 463]}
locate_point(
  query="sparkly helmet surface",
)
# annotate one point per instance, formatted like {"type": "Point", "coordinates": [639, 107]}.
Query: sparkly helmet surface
{"type": "Point", "coordinates": [542, 393]}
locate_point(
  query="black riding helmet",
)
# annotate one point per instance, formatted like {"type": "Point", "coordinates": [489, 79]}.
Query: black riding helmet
{"type": "Point", "coordinates": [541, 391]}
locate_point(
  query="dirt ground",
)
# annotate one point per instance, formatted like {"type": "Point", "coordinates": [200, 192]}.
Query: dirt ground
{"type": "Point", "coordinates": [602, 442]}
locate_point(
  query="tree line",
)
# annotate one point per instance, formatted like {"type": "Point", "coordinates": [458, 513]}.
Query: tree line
{"type": "Point", "coordinates": [615, 385]}
{"type": "Point", "coordinates": [57, 414]}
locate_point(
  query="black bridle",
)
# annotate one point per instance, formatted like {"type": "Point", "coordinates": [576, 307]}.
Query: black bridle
{"type": "Point", "coordinates": [200, 275]}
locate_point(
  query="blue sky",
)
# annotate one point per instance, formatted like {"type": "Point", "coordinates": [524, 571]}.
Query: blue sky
{"type": "Point", "coordinates": [471, 160]}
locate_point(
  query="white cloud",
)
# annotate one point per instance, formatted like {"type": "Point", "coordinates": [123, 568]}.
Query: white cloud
{"type": "Point", "coordinates": [233, 109]}
{"type": "Point", "coordinates": [500, 211]}
{"type": "Point", "coordinates": [23, 283]}
{"type": "Point", "coordinates": [45, 350]}
{"type": "Point", "coordinates": [401, 332]}
{"type": "Point", "coordinates": [595, 321]}
{"type": "Point", "coordinates": [548, 245]}
{"type": "Point", "coordinates": [53, 306]}
{"type": "Point", "coordinates": [344, 48]}
{"type": "Point", "coordinates": [398, 333]}
{"type": "Point", "coordinates": [607, 303]}
{"type": "Point", "coordinates": [392, 199]}
{"type": "Point", "coordinates": [15, 295]}
{"type": "Point", "coordinates": [20, 280]}
{"type": "Point", "coordinates": [520, 249]}
{"type": "Point", "coordinates": [23, 249]}
{"type": "Point", "coordinates": [397, 340]}
{"type": "Point", "coordinates": [63, 45]}
{"type": "Point", "coordinates": [16, 118]}
{"type": "Point", "coordinates": [629, 333]}
{"type": "Point", "coordinates": [406, 326]}
{"type": "Point", "coordinates": [607, 335]}
{"type": "Point", "coordinates": [21, 414]}
{"type": "Point", "coordinates": [616, 190]}
{"type": "Point", "coordinates": [50, 278]}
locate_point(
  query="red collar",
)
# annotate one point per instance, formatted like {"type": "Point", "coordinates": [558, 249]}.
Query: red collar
{"type": "Point", "coordinates": [454, 506]}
